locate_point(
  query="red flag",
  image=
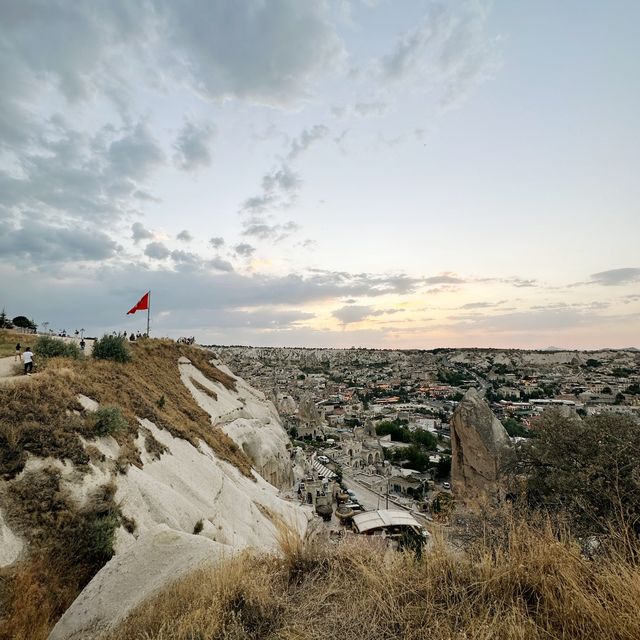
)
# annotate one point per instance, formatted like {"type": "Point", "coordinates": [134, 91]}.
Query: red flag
{"type": "Point", "coordinates": [141, 305]}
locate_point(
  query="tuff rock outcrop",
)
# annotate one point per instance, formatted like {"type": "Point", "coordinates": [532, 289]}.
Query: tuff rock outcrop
{"type": "Point", "coordinates": [480, 447]}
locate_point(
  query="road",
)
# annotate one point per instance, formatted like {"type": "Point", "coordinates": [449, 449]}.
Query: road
{"type": "Point", "coordinates": [371, 501]}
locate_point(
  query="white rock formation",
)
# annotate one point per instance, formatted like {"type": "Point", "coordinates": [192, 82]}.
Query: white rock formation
{"type": "Point", "coordinates": [10, 544]}
{"type": "Point", "coordinates": [250, 420]}
{"type": "Point", "coordinates": [159, 557]}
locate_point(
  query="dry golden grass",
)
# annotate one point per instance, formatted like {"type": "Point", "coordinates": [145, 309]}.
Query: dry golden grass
{"type": "Point", "coordinates": [9, 338]}
{"type": "Point", "coordinates": [538, 587]}
{"type": "Point", "coordinates": [42, 417]}
{"type": "Point", "coordinates": [198, 385]}
{"type": "Point", "coordinates": [68, 544]}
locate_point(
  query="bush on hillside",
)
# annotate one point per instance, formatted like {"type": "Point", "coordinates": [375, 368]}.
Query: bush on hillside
{"type": "Point", "coordinates": [109, 421]}
{"type": "Point", "coordinates": [47, 347]}
{"type": "Point", "coordinates": [111, 348]}
{"type": "Point", "coordinates": [586, 469]}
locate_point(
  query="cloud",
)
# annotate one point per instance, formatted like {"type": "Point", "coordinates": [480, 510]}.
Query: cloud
{"type": "Point", "coordinates": [615, 277]}
{"type": "Point", "coordinates": [193, 146]}
{"type": "Point", "coordinates": [184, 236]}
{"type": "Point", "coordinates": [480, 305]}
{"type": "Point", "coordinates": [306, 138]}
{"type": "Point", "coordinates": [283, 179]}
{"type": "Point", "coordinates": [370, 108]}
{"type": "Point", "coordinates": [245, 250]}
{"type": "Point", "coordinates": [449, 50]}
{"type": "Point", "coordinates": [281, 184]}
{"type": "Point", "coordinates": [135, 154]}
{"type": "Point", "coordinates": [267, 53]}
{"type": "Point", "coordinates": [41, 244]}
{"type": "Point", "coordinates": [445, 278]}
{"type": "Point", "coordinates": [140, 232]}
{"type": "Point", "coordinates": [74, 175]}
{"type": "Point", "coordinates": [217, 242]}
{"type": "Point", "coordinates": [186, 259]}
{"type": "Point", "coordinates": [260, 229]}
{"type": "Point", "coordinates": [157, 251]}
{"type": "Point", "coordinates": [355, 313]}
{"type": "Point", "coordinates": [534, 320]}
{"type": "Point", "coordinates": [218, 264]}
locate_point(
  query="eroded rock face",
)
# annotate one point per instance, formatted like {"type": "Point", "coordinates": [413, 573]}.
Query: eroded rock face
{"type": "Point", "coordinates": [160, 556]}
{"type": "Point", "coordinates": [480, 447]}
{"type": "Point", "coordinates": [249, 419]}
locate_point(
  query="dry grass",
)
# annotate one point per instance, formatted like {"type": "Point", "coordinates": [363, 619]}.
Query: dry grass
{"type": "Point", "coordinates": [198, 385]}
{"type": "Point", "coordinates": [68, 543]}
{"type": "Point", "coordinates": [9, 338]}
{"type": "Point", "coordinates": [42, 417]}
{"type": "Point", "coordinates": [539, 587]}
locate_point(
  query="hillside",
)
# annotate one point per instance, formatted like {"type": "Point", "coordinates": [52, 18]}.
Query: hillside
{"type": "Point", "coordinates": [97, 455]}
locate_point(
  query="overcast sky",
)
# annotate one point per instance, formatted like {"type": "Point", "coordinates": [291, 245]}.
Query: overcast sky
{"type": "Point", "coordinates": [383, 173]}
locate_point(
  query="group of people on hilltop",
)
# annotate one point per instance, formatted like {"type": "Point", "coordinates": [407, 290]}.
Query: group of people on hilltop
{"type": "Point", "coordinates": [26, 357]}
{"type": "Point", "coordinates": [132, 336]}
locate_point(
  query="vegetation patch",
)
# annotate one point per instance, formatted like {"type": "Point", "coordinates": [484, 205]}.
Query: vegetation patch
{"type": "Point", "coordinates": [154, 448]}
{"type": "Point", "coordinates": [111, 348]}
{"type": "Point", "coordinates": [108, 421]}
{"type": "Point", "coordinates": [48, 347]}
{"type": "Point", "coordinates": [538, 588]}
{"type": "Point", "coordinates": [198, 385]}
{"type": "Point", "coordinates": [44, 417]}
{"type": "Point", "coordinates": [68, 544]}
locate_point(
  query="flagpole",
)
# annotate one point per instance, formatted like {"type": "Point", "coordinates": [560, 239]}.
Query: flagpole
{"type": "Point", "coordinates": [148, 313]}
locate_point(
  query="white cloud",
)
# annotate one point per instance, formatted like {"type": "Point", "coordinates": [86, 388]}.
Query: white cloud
{"type": "Point", "coordinates": [615, 277]}
{"type": "Point", "coordinates": [450, 50]}
{"type": "Point", "coordinates": [193, 146]}
{"type": "Point", "coordinates": [157, 251]}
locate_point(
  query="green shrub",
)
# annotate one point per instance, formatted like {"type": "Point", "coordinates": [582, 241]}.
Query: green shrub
{"type": "Point", "coordinates": [47, 347]}
{"type": "Point", "coordinates": [111, 348]}
{"type": "Point", "coordinates": [197, 528]}
{"type": "Point", "coordinates": [109, 421]}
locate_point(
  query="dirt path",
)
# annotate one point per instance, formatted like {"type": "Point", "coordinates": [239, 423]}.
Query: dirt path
{"type": "Point", "coordinates": [8, 368]}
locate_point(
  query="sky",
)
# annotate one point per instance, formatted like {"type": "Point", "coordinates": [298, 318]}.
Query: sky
{"type": "Point", "coordinates": [335, 173]}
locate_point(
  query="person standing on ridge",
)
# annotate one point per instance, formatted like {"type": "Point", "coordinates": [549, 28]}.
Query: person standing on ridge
{"type": "Point", "coordinates": [27, 358]}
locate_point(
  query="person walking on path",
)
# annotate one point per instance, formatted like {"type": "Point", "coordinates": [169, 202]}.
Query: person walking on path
{"type": "Point", "coordinates": [27, 358]}
{"type": "Point", "coordinates": [16, 358]}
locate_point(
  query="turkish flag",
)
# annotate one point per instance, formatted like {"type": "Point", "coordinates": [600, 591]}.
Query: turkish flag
{"type": "Point", "coordinates": [141, 305]}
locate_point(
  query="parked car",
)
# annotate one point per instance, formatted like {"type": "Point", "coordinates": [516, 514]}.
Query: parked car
{"type": "Point", "coordinates": [446, 485]}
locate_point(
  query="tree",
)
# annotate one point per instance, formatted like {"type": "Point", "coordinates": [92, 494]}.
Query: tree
{"type": "Point", "coordinates": [588, 469]}
{"type": "Point", "coordinates": [425, 439]}
{"type": "Point", "coordinates": [24, 323]}
{"type": "Point", "coordinates": [515, 428]}
{"type": "Point", "coordinates": [5, 323]}
{"type": "Point", "coordinates": [443, 467]}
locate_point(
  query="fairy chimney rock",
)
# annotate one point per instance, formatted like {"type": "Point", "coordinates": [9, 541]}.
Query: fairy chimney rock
{"type": "Point", "coordinates": [480, 447]}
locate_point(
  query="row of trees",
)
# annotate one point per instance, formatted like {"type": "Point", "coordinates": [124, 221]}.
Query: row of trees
{"type": "Point", "coordinates": [21, 322]}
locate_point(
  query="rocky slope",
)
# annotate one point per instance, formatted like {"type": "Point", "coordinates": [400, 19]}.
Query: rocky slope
{"type": "Point", "coordinates": [174, 488]}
